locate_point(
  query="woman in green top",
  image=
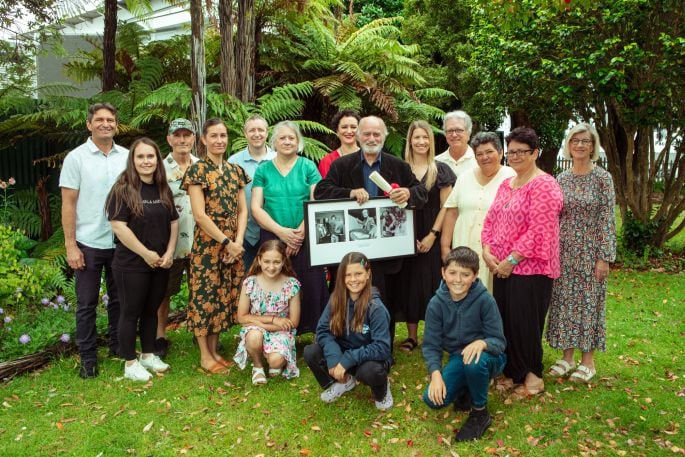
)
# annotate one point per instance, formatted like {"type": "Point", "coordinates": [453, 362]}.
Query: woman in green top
{"type": "Point", "coordinates": [279, 189]}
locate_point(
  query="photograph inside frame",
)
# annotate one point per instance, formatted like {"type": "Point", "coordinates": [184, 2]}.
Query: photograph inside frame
{"type": "Point", "coordinates": [377, 228]}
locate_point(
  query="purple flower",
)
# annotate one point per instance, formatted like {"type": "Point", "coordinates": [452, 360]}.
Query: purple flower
{"type": "Point", "coordinates": [45, 301]}
{"type": "Point", "coordinates": [2, 311]}
{"type": "Point", "coordinates": [7, 319]}
{"type": "Point", "coordinates": [65, 338]}
{"type": "Point", "coordinates": [105, 297]}
{"type": "Point", "coordinates": [60, 299]}
{"type": "Point", "coordinates": [65, 307]}
{"type": "Point", "coordinates": [24, 339]}
{"type": "Point", "coordinates": [54, 305]}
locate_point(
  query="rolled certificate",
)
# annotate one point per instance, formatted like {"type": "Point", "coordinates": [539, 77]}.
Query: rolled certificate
{"type": "Point", "coordinates": [384, 185]}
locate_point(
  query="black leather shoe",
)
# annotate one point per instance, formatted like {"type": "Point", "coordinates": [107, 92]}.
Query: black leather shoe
{"type": "Point", "coordinates": [475, 426]}
{"type": "Point", "coordinates": [88, 370]}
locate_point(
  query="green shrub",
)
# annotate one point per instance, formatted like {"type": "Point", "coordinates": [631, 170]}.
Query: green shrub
{"type": "Point", "coordinates": [636, 236]}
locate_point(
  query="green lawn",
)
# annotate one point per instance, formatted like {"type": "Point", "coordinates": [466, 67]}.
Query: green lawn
{"type": "Point", "coordinates": [635, 407]}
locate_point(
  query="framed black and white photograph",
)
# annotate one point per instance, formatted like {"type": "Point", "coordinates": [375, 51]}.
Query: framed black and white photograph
{"type": "Point", "coordinates": [378, 228]}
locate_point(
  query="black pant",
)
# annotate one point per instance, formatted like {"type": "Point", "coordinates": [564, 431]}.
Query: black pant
{"type": "Point", "coordinates": [372, 373]}
{"type": "Point", "coordinates": [523, 301]}
{"type": "Point", "coordinates": [385, 277]}
{"type": "Point", "coordinates": [141, 294]}
{"type": "Point", "coordinates": [88, 296]}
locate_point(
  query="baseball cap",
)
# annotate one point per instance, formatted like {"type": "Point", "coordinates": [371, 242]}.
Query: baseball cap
{"type": "Point", "coordinates": [181, 123]}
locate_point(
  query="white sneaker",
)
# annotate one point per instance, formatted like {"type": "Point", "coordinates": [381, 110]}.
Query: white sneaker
{"type": "Point", "coordinates": [136, 372]}
{"type": "Point", "coordinates": [154, 363]}
{"type": "Point", "coordinates": [387, 401]}
{"type": "Point", "coordinates": [337, 389]}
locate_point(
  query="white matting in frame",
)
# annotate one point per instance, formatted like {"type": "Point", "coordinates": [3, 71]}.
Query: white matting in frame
{"type": "Point", "coordinates": [379, 229]}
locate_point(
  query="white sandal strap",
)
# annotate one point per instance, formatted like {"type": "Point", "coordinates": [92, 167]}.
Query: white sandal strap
{"type": "Point", "coordinates": [561, 367]}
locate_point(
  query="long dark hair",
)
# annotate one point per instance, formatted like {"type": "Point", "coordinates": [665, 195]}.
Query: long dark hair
{"type": "Point", "coordinates": [126, 189]}
{"type": "Point", "coordinates": [339, 296]}
{"type": "Point", "coordinates": [272, 245]}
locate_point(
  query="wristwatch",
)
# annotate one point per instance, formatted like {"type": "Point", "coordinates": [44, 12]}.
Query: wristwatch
{"type": "Point", "coordinates": [512, 260]}
{"type": "Point", "coordinates": [225, 242]}
{"type": "Point", "coordinates": [435, 232]}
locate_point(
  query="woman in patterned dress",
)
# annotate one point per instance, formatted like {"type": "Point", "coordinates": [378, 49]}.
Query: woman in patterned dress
{"type": "Point", "coordinates": [218, 204]}
{"type": "Point", "coordinates": [521, 248]}
{"type": "Point", "coordinates": [269, 311]}
{"type": "Point", "coordinates": [587, 245]}
{"type": "Point", "coordinates": [280, 188]}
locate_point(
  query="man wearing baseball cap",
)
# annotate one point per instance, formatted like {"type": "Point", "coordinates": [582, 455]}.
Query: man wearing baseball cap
{"type": "Point", "coordinates": [181, 138]}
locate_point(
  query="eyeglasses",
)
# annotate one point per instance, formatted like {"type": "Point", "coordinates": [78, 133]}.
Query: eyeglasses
{"type": "Point", "coordinates": [520, 152]}
{"type": "Point", "coordinates": [584, 142]}
{"type": "Point", "coordinates": [454, 132]}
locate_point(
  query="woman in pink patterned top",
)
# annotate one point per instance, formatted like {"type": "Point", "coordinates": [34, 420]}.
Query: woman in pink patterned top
{"type": "Point", "coordinates": [521, 247]}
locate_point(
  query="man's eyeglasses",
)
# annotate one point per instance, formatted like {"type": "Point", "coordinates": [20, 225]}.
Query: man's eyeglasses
{"type": "Point", "coordinates": [584, 142]}
{"type": "Point", "coordinates": [454, 132]}
{"type": "Point", "coordinates": [520, 152]}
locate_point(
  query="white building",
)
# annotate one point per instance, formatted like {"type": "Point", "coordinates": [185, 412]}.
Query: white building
{"type": "Point", "coordinates": [164, 21]}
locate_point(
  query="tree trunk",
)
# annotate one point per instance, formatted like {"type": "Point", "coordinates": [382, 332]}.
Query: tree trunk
{"type": "Point", "coordinates": [198, 106]}
{"type": "Point", "coordinates": [246, 50]}
{"type": "Point", "coordinates": [46, 230]}
{"type": "Point", "coordinates": [109, 48]}
{"type": "Point", "coordinates": [226, 25]}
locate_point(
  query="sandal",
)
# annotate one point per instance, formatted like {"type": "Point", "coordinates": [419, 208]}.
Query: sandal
{"type": "Point", "coordinates": [258, 376]}
{"type": "Point", "coordinates": [522, 392]}
{"type": "Point", "coordinates": [215, 368]}
{"type": "Point", "coordinates": [503, 383]}
{"type": "Point", "coordinates": [582, 374]}
{"type": "Point", "coordinates": [274, 372]}
{"type": "Point", "coordinates": [408, 345]}
{"type": "Point", "coordinates": [561, 368]}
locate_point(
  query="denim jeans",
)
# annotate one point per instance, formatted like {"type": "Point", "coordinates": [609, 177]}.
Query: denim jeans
{"type": "Point", "coordinates": [475, 377]}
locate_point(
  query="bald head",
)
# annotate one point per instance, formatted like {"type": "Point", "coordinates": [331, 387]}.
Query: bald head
{"type": "Point", "coordinates": [371, 134]}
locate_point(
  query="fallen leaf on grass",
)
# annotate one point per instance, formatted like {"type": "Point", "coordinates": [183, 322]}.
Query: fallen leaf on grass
{"type": "Point", "coordinates": [305, 452]}
{"type": "Point", "coordinates": [316, 428]}
{"type": "Point", "coordinates": [59, 425]}
{"type": "Point", "coordinates": [148, 427]}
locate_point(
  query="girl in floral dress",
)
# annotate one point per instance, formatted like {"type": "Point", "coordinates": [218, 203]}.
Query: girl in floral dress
{"type": "Point", "coordinates": [269, 311]}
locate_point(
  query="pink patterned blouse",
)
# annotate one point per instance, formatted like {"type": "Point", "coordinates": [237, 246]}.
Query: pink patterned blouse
{"type": "Point", "coordinates": [526, 220]}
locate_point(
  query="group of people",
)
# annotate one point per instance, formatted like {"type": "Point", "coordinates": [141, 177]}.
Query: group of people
{"type": "Point", "coordinates": [496, 247]}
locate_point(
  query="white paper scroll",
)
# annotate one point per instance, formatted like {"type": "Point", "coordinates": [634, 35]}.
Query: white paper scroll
{"type": "Point", "coordinates": [384, 185]}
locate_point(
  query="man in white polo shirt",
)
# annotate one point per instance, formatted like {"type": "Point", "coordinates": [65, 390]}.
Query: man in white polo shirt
{"type": "Point", "coordinates": [459, 156]}
{"type": "Point", "coordinates": [88, 173]}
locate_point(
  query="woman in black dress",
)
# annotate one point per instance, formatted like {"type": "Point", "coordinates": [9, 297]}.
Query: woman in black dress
{"type": "Point", "coordinates": [420, 275]}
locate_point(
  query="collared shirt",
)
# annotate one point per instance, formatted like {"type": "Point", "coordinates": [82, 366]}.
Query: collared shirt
{"type": "Point", "coordinates": [92, 173]}
{"type": "Point", "coordinates": [465, 162]}
{"type": "Point", "coordinates": [186, 223]}
{"type": "Point", "coordinates": [367, 169]}
{"type": "Point", "coordinates": [250, 164]}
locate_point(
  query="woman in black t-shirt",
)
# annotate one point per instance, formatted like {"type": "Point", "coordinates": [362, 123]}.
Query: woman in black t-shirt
{"type": "Point", "coordinates": [144, 220]}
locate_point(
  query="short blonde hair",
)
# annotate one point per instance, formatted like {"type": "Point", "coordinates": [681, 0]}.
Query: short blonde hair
{"type": "Point", "coordinates": [581, 128]}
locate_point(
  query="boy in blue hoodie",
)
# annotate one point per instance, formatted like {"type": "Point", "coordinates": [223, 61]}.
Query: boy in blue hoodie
{"type": "Point", "coordinates": [462, 319]}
